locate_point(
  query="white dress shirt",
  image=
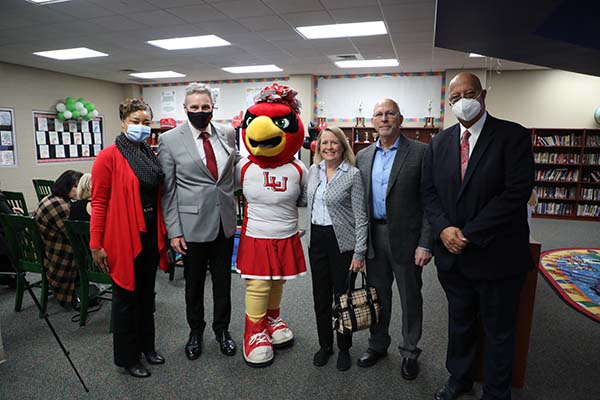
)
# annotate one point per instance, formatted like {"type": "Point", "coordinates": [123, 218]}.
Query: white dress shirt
{"type": "Point", "coordinates": [220, 152]}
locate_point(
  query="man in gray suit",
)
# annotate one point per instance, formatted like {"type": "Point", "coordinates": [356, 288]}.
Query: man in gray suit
{"type": "Point", "coordinates": [399, 235]}
{"type": "Point", "coordinates": [198, 160]}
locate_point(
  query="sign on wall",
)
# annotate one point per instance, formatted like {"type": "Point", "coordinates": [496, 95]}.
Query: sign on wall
{"type": "Point", "coordinates": [66, 141]}
{"type": "Point", "coordinates": [8, 150]}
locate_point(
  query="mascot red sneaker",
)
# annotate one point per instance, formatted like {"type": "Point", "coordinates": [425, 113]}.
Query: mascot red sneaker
{"type": "Point", "coordinates": [274, 183]}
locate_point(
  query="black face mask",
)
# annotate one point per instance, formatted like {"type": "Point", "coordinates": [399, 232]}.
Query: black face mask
{"type": "Point", "coordinates": [200, 119]}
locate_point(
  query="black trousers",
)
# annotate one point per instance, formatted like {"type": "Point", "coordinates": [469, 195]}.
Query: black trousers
{"type": "Point", "coordinates": [217, 256]}
{"type": "Point", "coordinates": [329, 271]}
{"type": "Point", "coordinates": [133, 311]}
{"type": "Point", "coordinates": [496, 302]}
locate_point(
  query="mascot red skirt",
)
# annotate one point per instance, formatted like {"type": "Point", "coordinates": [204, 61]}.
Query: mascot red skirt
{"type": "Point", "coordinates": [273, 182]}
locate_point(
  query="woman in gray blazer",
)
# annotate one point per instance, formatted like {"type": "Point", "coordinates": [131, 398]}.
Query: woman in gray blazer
{"type": "Point", "coordinates": [337, 236]}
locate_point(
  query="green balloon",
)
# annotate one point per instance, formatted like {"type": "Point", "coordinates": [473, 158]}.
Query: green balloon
{"type": "Point", "coordinates": [81, 100]}
{"type": "Point", "coordinates": [87, 116]}
{"type": "Point", "coordinates": [70, 106]}
{"type": "Point", "coordinates": [61, 116]}
{"type": "Point", "coordinates": [76, 114]}
{"type": "Point", "coordinates": [69, 100]}
{"type": "Point", "coordinates": [90, 106]}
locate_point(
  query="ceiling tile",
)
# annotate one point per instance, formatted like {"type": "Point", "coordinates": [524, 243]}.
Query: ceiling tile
{"type": "Point", "coordinates": [264, 23]}
{"type": "Point", "coordinates": [156, 18]}
{"type": "Point", "coordinates": [334, 4]}
{"type": "Point", "coordinates": [289, 6]}
{"type": "Point", "coordinates": [308, 18]}
{"type": "Point", "coordinates": [360, 14]}
{"type": "Point", "coordinates": [126, 7]}
{"type": "Point", "coordinates": [81, 9]}
{"type": "Point", "coordinates": [116, 23]}
{"type": "Point", "coordinates": [173, 3]}
{"type": "Point", "coordinates": [198, 13]}
{"type": "Point", "coordinates": [243, 8]}
{"type": "Point", "coordinates": [222, 27]}
{"type": "Point", "coordinates": [401, 12]}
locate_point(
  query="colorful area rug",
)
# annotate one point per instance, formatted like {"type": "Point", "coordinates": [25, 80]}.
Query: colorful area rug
{"type": "Point", "coordinates": [575, 276]}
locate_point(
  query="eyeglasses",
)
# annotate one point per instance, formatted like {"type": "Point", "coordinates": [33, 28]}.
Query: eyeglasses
{"type": "Point", "coordinates": [330, 142]}
{"type": "Point", "coordinates": [388, 114]}
{"type": "Point", "coordinates": [466, 95]}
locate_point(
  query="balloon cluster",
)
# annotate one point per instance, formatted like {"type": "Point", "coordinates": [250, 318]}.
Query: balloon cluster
{"type": "Point", "coordinates": [76, 109]}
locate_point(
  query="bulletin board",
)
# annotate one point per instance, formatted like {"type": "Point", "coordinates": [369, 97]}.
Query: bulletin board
{"type": "Point", "coordinates": [66, 141]}
{"type": "Point", "coordinates": [342, 98]}
{"type": "Point", "coordinates": [8, 147]}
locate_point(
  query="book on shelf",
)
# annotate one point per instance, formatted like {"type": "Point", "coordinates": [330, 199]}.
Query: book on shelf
{"type": "Point", "coordinates": [571, 139]}
{"type": "Point", "coordinates": [590, 194]}
{"type": "Point", "coordinates": [588, 210]}
{"type": "Point", "coordinates": [592, 140]}
{"type": "Point", "coordinates": [555, 192]}
{"type": "Point", "coordinates": [554, 208]}
{"type": "Point", "coordinates": [557, 175]}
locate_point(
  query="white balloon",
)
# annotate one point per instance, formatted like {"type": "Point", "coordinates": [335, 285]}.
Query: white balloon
{"type": "Point", "coordinates": [83, 111]}
{"type": "Point", "coordinates": [78, 105]}
{"type": "Point", "coordinates": [95, 113]}
{"type": "Point", "coordinates": [60, 107]}
{"type": "Point", "coordinates": [68, 114]}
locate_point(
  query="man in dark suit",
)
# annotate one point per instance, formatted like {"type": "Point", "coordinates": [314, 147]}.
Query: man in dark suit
{"type": "Point", "coordinates": [477, 178]}
{"type": "Point", "coordinates": [399, 235]}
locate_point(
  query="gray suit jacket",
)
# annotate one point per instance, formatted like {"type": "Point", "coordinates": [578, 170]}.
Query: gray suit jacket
{"type": "Point", "coordinates": [193, 204]}
{"type": "Point", "coordinates": [345, 201]}
{"type": "Point", "coordinates": [407, 225]}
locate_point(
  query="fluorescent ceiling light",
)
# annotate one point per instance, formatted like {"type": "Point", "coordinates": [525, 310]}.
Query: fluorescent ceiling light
{"type": "Point", "coordinates": [343, 30]}
{"type": "Point", "coordinates": [252, 68]}
{"type": "Point", "coordinates": [46, 1]}
{"type": "Point", "coordinates": [71, 54]}
{"type": "Point", "coordinates": [157, 74]}
{"type": "Point", "coordinates": [191, 42]}
{"type": "Point", "coordinates": [391, 62]}
{"type": "Point", "coordinates": [473, 55]}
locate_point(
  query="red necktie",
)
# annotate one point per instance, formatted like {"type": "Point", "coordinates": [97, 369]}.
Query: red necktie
{"type": "Point", "coordinates": [464, 154]}
{"type": "Point", "coordinates": [211, 160]}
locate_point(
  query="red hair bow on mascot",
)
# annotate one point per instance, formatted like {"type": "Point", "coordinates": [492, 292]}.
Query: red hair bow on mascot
{"type": "Point", "coordinates": [274, 183]}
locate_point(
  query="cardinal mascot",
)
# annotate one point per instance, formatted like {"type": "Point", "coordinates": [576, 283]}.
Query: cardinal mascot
{"type": "Point", "coordinates": [270, 252]}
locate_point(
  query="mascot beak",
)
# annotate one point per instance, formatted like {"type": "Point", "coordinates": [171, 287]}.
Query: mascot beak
{"type": "Point", "coordinates": [264, 138]}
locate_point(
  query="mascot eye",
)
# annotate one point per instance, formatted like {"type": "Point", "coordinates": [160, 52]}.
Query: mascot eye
{"type": "Point", "coordinates": [249, 120]}
{"type": "Point", "coordinates": [282, 123]}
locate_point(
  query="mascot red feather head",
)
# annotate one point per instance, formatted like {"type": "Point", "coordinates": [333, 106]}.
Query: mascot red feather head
{"type": "Point", "coordinates": [272, 130]}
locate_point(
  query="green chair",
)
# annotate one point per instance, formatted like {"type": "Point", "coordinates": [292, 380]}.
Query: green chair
{"type": "Point", "coordinates": [78, 233]}
{"type": "Point", "coordinates": [16, 200]}
{"type": "Point", "coordinates": [27, 251]}
{"type": "Point", "coordinates": [43, 187]}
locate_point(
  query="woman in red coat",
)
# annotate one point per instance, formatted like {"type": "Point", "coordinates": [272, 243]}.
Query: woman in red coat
{"type": "Point", "coordinates": [127, 234]}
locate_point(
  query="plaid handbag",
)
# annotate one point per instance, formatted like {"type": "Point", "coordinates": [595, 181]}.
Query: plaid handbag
{"type": "Point", "coordinates": [357, 309]}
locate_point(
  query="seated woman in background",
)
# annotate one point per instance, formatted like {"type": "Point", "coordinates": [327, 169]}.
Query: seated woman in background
{"type": "Point", "coordinates": [337, 237]}
{"type": "Point", "coordinates": [50, 215]}
{"type": "Point", "coordinates": [82, 208]}
{"type": "Point", "coordinates": [127, 235]}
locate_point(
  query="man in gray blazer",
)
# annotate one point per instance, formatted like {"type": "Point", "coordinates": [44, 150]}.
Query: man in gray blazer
{"type": "Point", "coordinates": [198, 160]}
{"type": "Point", "coordinates": [399, 235]}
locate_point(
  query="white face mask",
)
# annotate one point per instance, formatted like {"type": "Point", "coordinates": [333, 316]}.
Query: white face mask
{"type": "Point", "coordinates": [466, 109]}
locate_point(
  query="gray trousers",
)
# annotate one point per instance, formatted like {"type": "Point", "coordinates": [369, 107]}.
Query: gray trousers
{"type": "Point", "coordinates": [381, 271]}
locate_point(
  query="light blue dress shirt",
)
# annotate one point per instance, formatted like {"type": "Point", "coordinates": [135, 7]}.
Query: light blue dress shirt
{"type": "Point", "coordinates": [320, 215]}
{"type": "Point", "coordinates": [380, 175]}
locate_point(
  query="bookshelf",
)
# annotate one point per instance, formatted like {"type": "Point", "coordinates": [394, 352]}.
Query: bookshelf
{"type": "Point", "coordinates": [567, 173]}
{"type": "Point", "coordinates": [362, 136]}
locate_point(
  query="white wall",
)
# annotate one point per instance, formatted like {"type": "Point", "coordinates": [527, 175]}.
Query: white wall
{"type": "Point", "coordinates": [538, 98]}
{"type": "Point", "coordinates": [25, 89]}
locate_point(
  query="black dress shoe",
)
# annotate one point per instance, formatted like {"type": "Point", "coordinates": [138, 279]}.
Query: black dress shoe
{"type": "Point", "coordinates": [154, 358]}
{"type": "Point", "coordinates": [226, 343]}
{"type": "Point", "coordinates": [343, 361]}
{"type": "Point", "coordinates": [322, 356]}
{"type": "Point", "coordinates": [138, 371]}
{"type": "Point", "coordinates": [451, 391]}
{"type": "Point", "coordinates": [370, 358]}
{"type": "Point", "coordinates": [193, 347]}
{"type": "Point", "coordinates": [410, 368]}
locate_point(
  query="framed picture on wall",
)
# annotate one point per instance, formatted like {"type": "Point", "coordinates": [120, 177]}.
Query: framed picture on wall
{"type": "Point", "coordinates": [8, 146]}
{"type": "Point", "coordinates": [65, 141]}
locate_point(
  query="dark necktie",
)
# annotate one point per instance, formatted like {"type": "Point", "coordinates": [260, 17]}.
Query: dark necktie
{"type": "Point", "coordinates": [211, 160]}
{"type": "Point", "coordinates": [464, 154]}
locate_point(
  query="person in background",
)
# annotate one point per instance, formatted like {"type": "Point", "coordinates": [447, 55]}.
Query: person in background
{"type": "Point", "coordinates": [50, 215]}
{"type": "Point", "coordinates": [399, 235]}
{"type": "Point", "coordinates": [198, 158]}
{"type": "Point", "coordinates": [82, 208]}
{"type": "Point", "coordinates": [127, 235]}
{"type": "Point", "coordinates": [337, 236]}
{"type": "Point", "coordinates": [477, 178]}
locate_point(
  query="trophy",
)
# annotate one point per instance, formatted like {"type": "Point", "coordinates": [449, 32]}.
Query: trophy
{"type": "Point", "coordinates": [429, 119]}
{"type": "Point", "coordinates": [360, 120]}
